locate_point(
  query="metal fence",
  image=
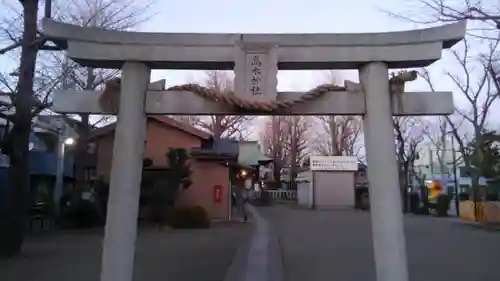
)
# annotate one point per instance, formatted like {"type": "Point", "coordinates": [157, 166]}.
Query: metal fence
{"type": "Point", "coordinates": [280, 195]}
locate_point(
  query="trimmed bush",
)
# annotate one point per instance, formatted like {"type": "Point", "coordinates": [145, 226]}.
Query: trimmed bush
{"type": "Point", "coordinates": [189, 217]}
{"type": "Point", "coordinates": [414, 202]}
{"type": "Point", "coordinates": [463, 196]}
{"type": "Point", "coordinates": [264, 199]}
{"type": "Point", "coordinates": [364, 201]}
{"type": "Point", "coordinates": [443, 204]}
{"type": "Point", "coordinates": [83, 214]}
{"type": "Point", "coordinates": [492, 197]}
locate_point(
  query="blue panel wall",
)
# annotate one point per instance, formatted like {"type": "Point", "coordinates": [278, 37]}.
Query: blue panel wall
{"type": "Point", "coordinates": [45, 163]}
{"type": "Point", "coordinates": [41, 164]}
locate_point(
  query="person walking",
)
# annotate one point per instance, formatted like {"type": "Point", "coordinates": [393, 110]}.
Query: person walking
{"type": "Point", "coordinates": [243, 198]}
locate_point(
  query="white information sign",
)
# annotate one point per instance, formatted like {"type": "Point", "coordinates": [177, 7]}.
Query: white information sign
{"type": "Point", "coordinates": [334, 163]}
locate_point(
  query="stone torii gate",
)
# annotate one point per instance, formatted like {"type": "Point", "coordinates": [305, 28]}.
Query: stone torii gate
{"type": "Point", "coordinates": [255, 59]}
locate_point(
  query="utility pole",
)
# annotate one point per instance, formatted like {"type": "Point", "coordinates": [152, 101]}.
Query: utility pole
{"type": "Point", "coordinates": [275, 152]}
{"type": "Point", "coordinates": [293, 151]}
{"type": "Point", "coordinates": [48, 9]}
{"type": "Point", "coordinates": [61, 135]}
{"type": "Point", "coordinates": [455, 179]}
{"type": "Point", "coordinates": [431, 161]}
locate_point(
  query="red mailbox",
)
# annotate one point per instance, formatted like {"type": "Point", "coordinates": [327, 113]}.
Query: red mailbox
{"type": "Point", "coordinates": [217, 193]}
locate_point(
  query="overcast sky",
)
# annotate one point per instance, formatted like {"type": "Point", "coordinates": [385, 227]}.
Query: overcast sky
{"type": "Point", "coordinates": [285, 16]}
{"type": "Point", "coordinates": [276, 16]}
{"type": "Point", "coordinates": [279, 16]}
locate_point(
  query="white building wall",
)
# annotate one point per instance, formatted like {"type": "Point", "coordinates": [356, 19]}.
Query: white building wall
{"type": "Point", "coordinates": [428, 164]}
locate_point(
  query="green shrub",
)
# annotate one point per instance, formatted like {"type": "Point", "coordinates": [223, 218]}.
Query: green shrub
{"type": "Point", "coordinates": [414, 202]}
{"type": "Point", "coordinates": [83, 214]}
{"type": "Point", "coordinates": [264, 199]}
{"type": "Point", "coordinates": [443, 204]}
{"type": "Point", "coordinates": [189, 217]}
{"type": "Point", "coordinates": [101, 191]}
{"type": "Point", "coordinates": [492, 197]}
{"type": "Point", "coordinates": [463, 196]}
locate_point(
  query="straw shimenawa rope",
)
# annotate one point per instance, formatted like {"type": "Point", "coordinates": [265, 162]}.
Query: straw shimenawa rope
{"type": "Point", "coordinates": [397, 85]}
{"type": "Point", "coordinates": [109, 100]}
{"type": "Point", "coordinates": [110, 97]}
{"type": "Point", "coordinates": [265, 106]}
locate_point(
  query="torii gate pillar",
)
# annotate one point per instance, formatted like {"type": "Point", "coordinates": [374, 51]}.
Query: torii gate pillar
{"type": "Point", "coordinates": [385, 200]}
{"type": "Point", "coordinates": [125, 181]}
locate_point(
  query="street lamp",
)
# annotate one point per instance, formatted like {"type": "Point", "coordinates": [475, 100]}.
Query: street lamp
{"type": "Point", "coordinates": [455, 179]}
{"type": "Point", "coordinates": [69, 141]}
{"type": "Point", "coordinates": [62, 143]}
{"type": "Point", "coordinates": [243, 173]}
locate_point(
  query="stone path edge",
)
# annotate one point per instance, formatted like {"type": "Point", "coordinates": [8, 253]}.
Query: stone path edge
{"type": "Point", "coordinates": [259, 257]}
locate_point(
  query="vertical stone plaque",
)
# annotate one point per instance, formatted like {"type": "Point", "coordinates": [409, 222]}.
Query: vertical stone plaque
{"type": "Point", "coordinates": [256, 71]}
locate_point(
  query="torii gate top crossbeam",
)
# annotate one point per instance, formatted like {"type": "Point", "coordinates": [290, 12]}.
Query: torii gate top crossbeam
{"type": "Point", "coordinates": [110, 49]}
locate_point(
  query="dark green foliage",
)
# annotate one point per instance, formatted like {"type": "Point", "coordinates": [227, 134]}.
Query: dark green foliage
{"type": "Point", "coordinates": [493, 190]}
{"type": "Point", "coordinates": [147, 162]}
{"type": "Point", "coordinates": [189, 217]}
{"type": "Point", "coordinates": [179, 171]}
{"type": "Point", "coordinates": [362, 198]}
{"type": "Point", "coordinates": [177, 178]}
{"type": "Point", "coordinates": [83, 214]}
{"type": "Point", "coordinates": [264, 199]}
{"type": "Point", "coordinates": [101, 191]}
{"type": "Point", "coordinates": [424, 210]}
{"type": "Point", "coordinates": [492, 197]}
{"type": "Point", "coordinates": [464, 196]}
{"type": "Point", "coordinates": [414, 203]}
{"type": "Point", "coordinates": [160, 202]}
{"type": "Point", "coordinates": [443, 204]}
{"type": "Point", "coordinates": [484, 155]}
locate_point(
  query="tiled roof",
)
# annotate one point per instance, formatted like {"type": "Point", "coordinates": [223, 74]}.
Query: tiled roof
{"type": "Point", "coordinates": [225, 146]}
{"type": "Point", "coordinates": [250, 154]}
{"type": "Point", "coordinates": [219, 147]}
{"type": "Point", "coordinates": [99, 132]}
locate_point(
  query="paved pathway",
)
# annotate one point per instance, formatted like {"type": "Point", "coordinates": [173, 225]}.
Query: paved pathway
{"type": "Point", "coordinates": [336, 245]}
{"type": "Point", "coordinates": [174, 255]}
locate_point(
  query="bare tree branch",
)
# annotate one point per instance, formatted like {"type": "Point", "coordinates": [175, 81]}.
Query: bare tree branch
{"type": "Point", "coordinates": [284, 139]}
{"type": "Point", "coordinates": [477, 84]}
{"type": "Point", "coordinates": [484, 15]}
{"type": "Point", "coordinates": [220, 125]}
{"type": "Point", "coordinates": [339, 134]}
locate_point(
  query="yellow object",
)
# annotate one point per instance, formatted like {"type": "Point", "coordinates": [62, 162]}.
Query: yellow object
{"type": "Point", "coordinates": [486, 211]}
{"type": "Point", "coordinates": [435, 188]}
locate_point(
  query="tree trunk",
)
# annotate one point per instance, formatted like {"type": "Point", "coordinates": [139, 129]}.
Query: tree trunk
{"type": "Point", "coordinates": [277, 152]}
{"type": "Point", "coordinates": [475, 191]}
{"type": "Point", "coordinates": [403, 179]}
{"type": "Point", "coordinates": [277, 172]}
{"type": "Point", "coordinates": [333, 135]}
{"type": "Point", "coordinates": [217, 129]}
{"type": "Point", "coordinates": [13, 219]}
{"type": "Point", "coordinates": [293, 161]}
{"type": "Point", "coordinates": [80, 156]}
